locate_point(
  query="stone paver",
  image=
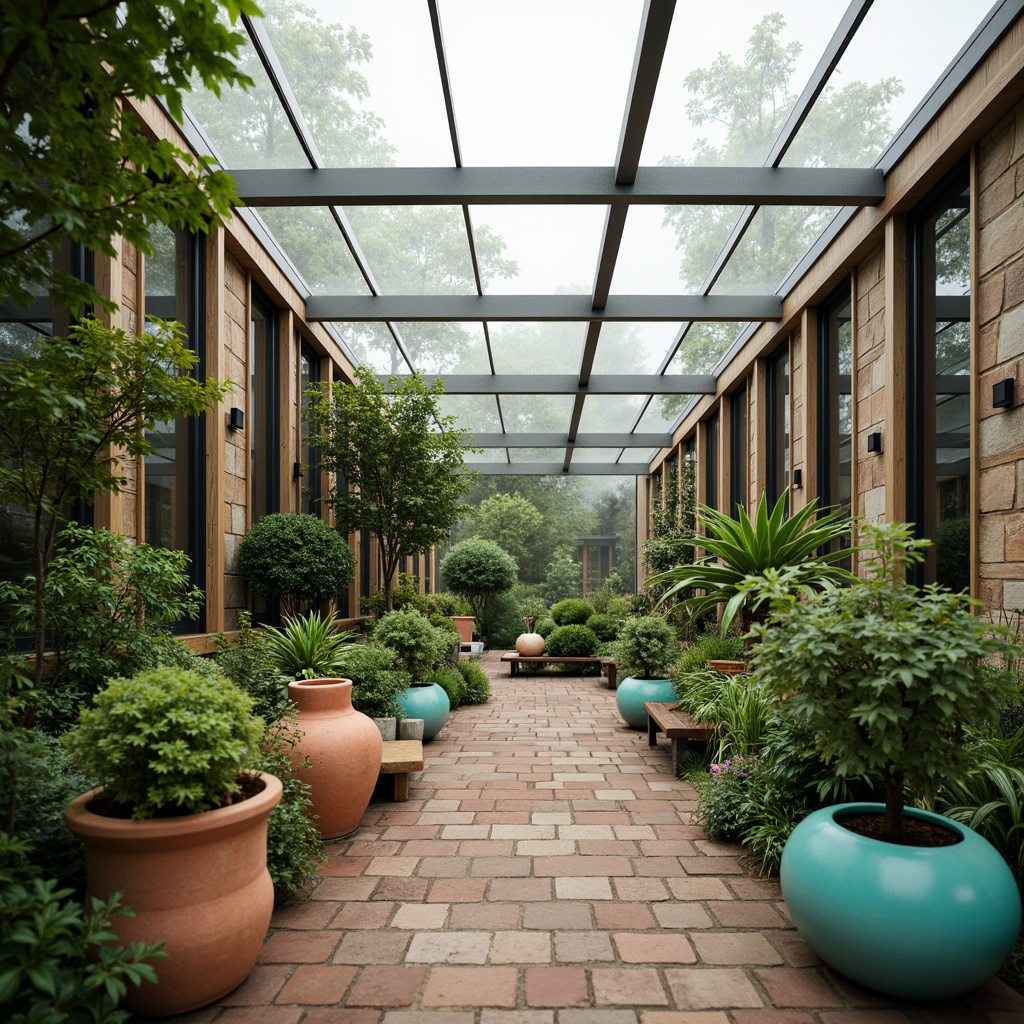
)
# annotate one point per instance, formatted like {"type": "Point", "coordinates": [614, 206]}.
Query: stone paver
{"type": "Point", "coordinates": [547, 869]}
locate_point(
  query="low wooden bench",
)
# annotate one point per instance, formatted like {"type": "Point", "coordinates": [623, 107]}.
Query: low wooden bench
{"type": "Point", "coordinates": [678, 726]}
{"type": "Point", "coordinates": [607, 665]}
{"type": "Point", "coordinates": [399, 758]}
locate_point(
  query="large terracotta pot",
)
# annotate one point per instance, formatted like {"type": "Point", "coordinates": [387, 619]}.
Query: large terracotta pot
{"type": "Point", "coordinates": [343, 748]}
{"type": "Point", "coordinates": [530, 645]}
{"type": "Point", "coordinates": [464, 624]}
{"type": "Point", "coordinates": [198, 881]}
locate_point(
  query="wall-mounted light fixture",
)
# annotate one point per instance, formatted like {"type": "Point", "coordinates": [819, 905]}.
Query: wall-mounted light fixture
{"type": "Point", "coordinates": [236, 418]}
{"type": "Point", "coordinates": [798, 478]}
{"type": "Point", "coordinates": [1002, 394]}
{"type": "Point", "coordinates": [875, 442]}
{"type": "Point", "coordinates": [296, 470]}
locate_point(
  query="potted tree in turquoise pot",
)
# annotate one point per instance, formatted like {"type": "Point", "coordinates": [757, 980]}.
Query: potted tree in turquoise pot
{"type": "Point", "coordinates": [647, 649]}
{"type": "Point", "coordinates": [884, 675]}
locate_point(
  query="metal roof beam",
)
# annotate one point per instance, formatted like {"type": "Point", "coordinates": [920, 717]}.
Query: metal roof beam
{"type": "Point", "coordinates": [620, 440]}
{"type": "Point", "coordinates": [566, 384]}
{"type": "Point", "coordinates": [555, 468]}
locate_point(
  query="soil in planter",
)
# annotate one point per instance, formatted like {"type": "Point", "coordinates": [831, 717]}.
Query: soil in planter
{"type": "Point", "coordinates": [916, 832]}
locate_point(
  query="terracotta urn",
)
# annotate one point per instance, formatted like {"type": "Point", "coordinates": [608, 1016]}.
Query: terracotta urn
{"type": "Point", "coordinates": [198, 881]}
{"type": "Point", "coordinates": [343, 748]}
{"type": "Point", "coordinates": [530, 645]}
{"type": "Point", "coordinates": [464, 624]}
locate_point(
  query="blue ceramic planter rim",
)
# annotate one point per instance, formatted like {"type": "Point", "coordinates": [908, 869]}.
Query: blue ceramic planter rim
{"type": "Point", "coordinates": [838, 811]}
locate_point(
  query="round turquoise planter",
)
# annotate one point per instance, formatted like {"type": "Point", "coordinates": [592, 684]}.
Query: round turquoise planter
{"type": "Point", "coordinates": [429, 703]}
{"type": "Point", "coordinates": [910, 921]}
{"type": "Point", "coordinates": [632, 693]}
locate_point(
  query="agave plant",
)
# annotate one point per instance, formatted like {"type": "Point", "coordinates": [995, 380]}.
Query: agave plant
{"type": "Point", "coordinates": [795, 551]}
{"type": "Point", "coordinates": [309, 647]}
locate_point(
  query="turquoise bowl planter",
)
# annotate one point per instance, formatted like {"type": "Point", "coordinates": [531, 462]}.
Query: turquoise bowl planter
{"type": "Point", "coordinates": [910, 921]}
{"type": "Point", "coordinates": [632, 693]}
{"type": "Point", "coordinates": [429, 703]}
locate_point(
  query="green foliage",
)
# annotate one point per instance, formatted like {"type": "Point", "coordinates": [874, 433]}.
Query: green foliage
{"type": "Point", "coordinates": [309, 647]}
{"type": "Point", "coordinates": [545, 626]}
{"type": "Point", "coordinates": [59, 963]}
{"type": "Point", "coordinates": [511, 521]}
{"type": "Point", "coordinates": [724, 795]}
{"type": "Point", "coordinates": [563, 578]}
{"type": "Point", "coordinates": [605, 627]}
{"type": "Point", "coordinates": [479, 570]}
{"type": "Point", "coordinates": [297, 558]}
{"type": "Point", "coordinates": [647, 648]}
{"type": "Point", "coordinates": [709, 647]}
{"type": "Point", "coordinates": [885, 675]}
{"type": "Point", "coordinates": [452, 682]}
{"type": "Point", "coordinates": [249, 663]}
{"type": "Point", "coordinates": [673, 521]}
{"type": "Point", "coordinates": [377, 680]}
{"type": "Point", "coordinates": [571, 641]}
{"type": "Point", "coordinates": [478, 686]}
{"type": "Point", "coordinates": [420, 647]}
{"type": "Point", "coordinates": [740, 552]}
{"type": "Point", "coordinates": [953, 553]}
{"type": "Point", "coordinates": [66, 71]}
{"type": "Point", "coordinates": [573, 611]}
{"type": "Point", "coordinates": [167, 741]}
{"type": "Point", "coordinates": [399, 460]}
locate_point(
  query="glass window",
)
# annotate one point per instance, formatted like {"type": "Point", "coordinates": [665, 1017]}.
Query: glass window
{"type": "Point", "coordinates": [739, 449]}
{"type": "Point", "coordinates": [309, 373]}
{"type": "Point", "coordinates": [835, 401]}
{"type": "Point", "coordinates": [711, 462]}
{"type": "Point", "coordinates": [263, 421]}
{"type": "Point", "coordinates": [938, 379]}
{"type": "Point", "coordinates": [778, 424]}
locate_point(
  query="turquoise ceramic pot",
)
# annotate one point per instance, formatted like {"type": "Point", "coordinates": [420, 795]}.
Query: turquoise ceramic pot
{"type": "Point", "coordinates": [429, 703]}
{"type": "Point", "coordinates": [632, 693]}
{"type": "Point", "coordinates": [910, 921]}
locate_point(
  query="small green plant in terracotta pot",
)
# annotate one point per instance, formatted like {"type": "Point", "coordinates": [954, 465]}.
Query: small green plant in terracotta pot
{"type": "Point", "coordinates": [884, 675]}
{"type": "Point", "coordinates": [179, 826]}
{"type": "Point", "coordinates": [646, 650]}
{"type": "Point", "coordinates": [309, 647]}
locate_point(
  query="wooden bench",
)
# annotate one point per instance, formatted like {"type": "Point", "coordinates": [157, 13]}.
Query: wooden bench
{"type": "Point", "coordinates": [678, 726]}
{"type": "Point", "coordinates": [607, 665]}
{"type": "Point", "coordinates": [399, 758]}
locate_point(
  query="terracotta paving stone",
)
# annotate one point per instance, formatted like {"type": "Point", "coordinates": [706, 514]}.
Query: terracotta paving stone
{"type": "Point", "coordinates": [744, 914]}
{"type": "Point", "coordinates": [485, 916]}
{"type": "Point", "coordinates": [562, 867]}
{"type": "Point", "coordinates": [319, 1015]}
{"type": "Point", "coordinates": [471, 986]}
{"type": "Point", "coordinates": [864, 1016]}
{"type": "Point", "coordinates": [344, 889]}
{"type": "Point", "coordinates": [682, 915]}
{"type": "Point", "coordinates": [372, 948]}
{"type": "Point", "coordinates": [400, 889]}
{"type": "Point", "coordinates": [363, 915]}
{"type": "Point", "coordinates": [772, 1017]}
{"type": "Point", "coordinates": [261, 1015]}
{"type": "Point", "coordinates": [300, 947]}
{"type": "Point", "coordinates": [404, 833]}
{"type": "Point", "coordinates": [317, 986]}
{"type": "Point", "coordinates": [651, 890]}
{"type": "Point", "coordinates": [449, 948]}
{"type": "Point", "coordinates": [797, 986]}
{"type": "Point", "coordinates": [711, 866]}
{"type": "Point", "coordinates": [533, 890]}
{"type": "Point", "coordinates": [260, 987]}
{"type": "Point", "coordinates": [457, 890]}
{"type": "Point", "coordinates": [699, 988]}
{"type": "Point", "coordinates": [636, 986]}
{"type": "Point", "coordinates": [583, 888]}
{"type": "Point", "coordinates": [794, 949]}
{"type": "Point", "coordinates": [666, 848]}
{"type": "Point", "coordinates": [343, 866]}
{"type": "Point", "coordinates": [698, 889]}
{"type": "Point", "coordinates": [386, 986]}
{"type": "Point", "coordinates": [656, 948]}
{"type": "Point", "coordinates": [624, 915]}
{"type": "Point", "coordinates": [735, 948]}
{"type": "Point", "coordinates": [420, 916]}
{"type": "Point", "coordinates": [499, 867]}
{"type": "Point", "coordinates": [442, 867]}
{"type": "Point", "coordinates": [311, 914]}
{"type": "Point", "coordinates": [583, 947]}
{"type": "Point", "coordinates": [486, 848]}
{"type": "Point", "coordinates": [684, 1017]}
{"type": "Point", "coordinates": [550, 916]}
{"type": "Point", "coordinates": [556, 986]}
{"type": "Point", "coordinates": [520, 947]}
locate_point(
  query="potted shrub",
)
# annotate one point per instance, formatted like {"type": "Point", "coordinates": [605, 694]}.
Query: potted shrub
{"type": "Point", "coordinates": [479, 570]}
{"type": "Point", "coordinates": [884, 675]}
{"type": "Point", "coordinates": [297, 558]}
{"type": "Point", "coordinates": [420, 648]}
{"type": "Point", "coordinates": [309, 647]}
{"type": "Point", "coordinates": [646, 650]}
{"type": "Point", "coordinates": [179, 826]}
{"type": "Point", "coordinates": [377, 680]}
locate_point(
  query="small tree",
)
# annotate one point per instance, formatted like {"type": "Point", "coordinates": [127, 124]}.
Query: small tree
{"type": "Point", "coordinates": [479, 570]}
{"type": "Point", "coordinates": [297, 558]}
{"type": "Point", "coordinates": [398, 464]}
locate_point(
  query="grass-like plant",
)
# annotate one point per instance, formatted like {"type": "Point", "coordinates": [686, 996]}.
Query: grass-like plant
{"type": "Point", "coordinates": [309, 647]}
{"type": "Point", "coordinates": [167, 741]}
{"type": "Point", "coordinates": [741, 551]}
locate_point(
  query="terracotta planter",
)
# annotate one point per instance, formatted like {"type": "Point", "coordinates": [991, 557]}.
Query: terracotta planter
{"type": "Point", "coordinates": [530, 645]}
{"type": "Point", "coordinates": [198, 881]}
{"type": "Point", "coordinates": [464, 624]}
{"type": "Point", "coordinates": [343, 748]}
{"type": "Point", "coordinates": [727, 665]}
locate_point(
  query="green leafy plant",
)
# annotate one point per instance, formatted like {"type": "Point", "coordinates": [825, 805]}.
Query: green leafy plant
{"type": "Point", "coordinates": [647, 648]}
{"type": "Point", "coordinates": [707, 647]}
{"type": "Point", "coordinates": [377, 680]}
{"type": "Point", "coordinates": [741, 551]}
{"type": "Point", "coordinates": [297, 558]}
{"type": "Point", "coordinates": [545, 626]}
{"type": "Point", "coordinates": [249, 663]}
{"type": "Point", "coordinates": [478, 686]}
{"type": "Point", "coordinates": [167, 742]}
{"type": "Point", "coordinates": [452, 682]}
{"type": "Point", "coordinates": [723, 796]}
{"type": "Point", "coordinates": [58, 961]}
{"type": "Point", "coordinates": [605, 627]}
{"type": "Point", "coordinates": [884, 674]}
{"type": "Point", "coordinates": [572, 611]}
{"type": "Point", "coordinates": [571, 641]}
{"type": "Point", "coordinates": [419, 645]}
{"type": "Point", "coordinates": [309, 647]}
{"type": "Point", "coordinates": [479, 570]}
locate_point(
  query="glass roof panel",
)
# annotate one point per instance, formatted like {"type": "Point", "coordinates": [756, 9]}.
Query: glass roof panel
{"type": "Point", "coordinates": [698, 116]}
{"type": "Point", "coordinates": [602, 413]}
{"type": "Point", "coordinates": [537, 83]}
{"type": "Point", "coordinates": [525, 413]}
{"type": "Point", "coordinates": [374, 344]}
{"type": "Point", "coordinates": [537, 347]}
{"type": "Point", "coordinates": [537, 250]}
{"type": "Point", "coordinates": [446, 347]}
{"type": "Point", "coordinates": [776, 239]}
{"type": "Point", "coordinates": [536, 454]}
{"type": "Point", "coordinates": [634, 348]}
{"type": "Point", "coordinates": [883, 79]}
{"type": "Point", "coordinates": [477, 413]}
{"type": "Point", "coordinates": [402, 246]}
{"type": "Point", "coordinates": [313, 240]}
{"type": "Point", "coordinates": [596, 454]}
{"type": "Point", "coordinates": [703, 346]}
{"type": "Point", "coordinates": [662, 413]}
{"type": "Point", "coordinates": [488, 455]}
{"type": "Point", "coordinates": [404, 104]}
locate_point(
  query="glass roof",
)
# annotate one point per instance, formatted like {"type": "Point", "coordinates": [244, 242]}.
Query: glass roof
{"type": "Point", "coordinates": [513, 194]}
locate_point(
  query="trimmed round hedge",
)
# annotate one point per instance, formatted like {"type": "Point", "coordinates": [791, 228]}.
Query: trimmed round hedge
{"type": "Point", "coordinates": [573, 611]}
{"type": "Point", "coordinates": [572, 641]}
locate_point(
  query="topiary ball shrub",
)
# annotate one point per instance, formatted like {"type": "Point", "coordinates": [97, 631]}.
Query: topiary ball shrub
{"type": "Point", "coordinates": [295, 557]}
{"type": "Point", "coordinates": [605, 627]}
{"type": "Point", "coordinates": [167, 742]}
{"type": "Point", "coordinates": [545, 626]}
{"type": "Point", "coordinates": [377, 680]}
{"type": "Point", "coordinates": [478, 686]}
{"type": "Point", "coordinates": [572, 641]}
{"type": "Point", "coordinates": [573, 611]}
{"type": "Point", "coordinates": [420, 646]}
{"type": "Point", "coordinates": [647, 648]}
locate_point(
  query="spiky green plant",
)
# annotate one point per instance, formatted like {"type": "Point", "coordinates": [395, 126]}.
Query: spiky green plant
{"type": "Point", "coordinates": [309, 647]}
{"type": "Point", "coordinates": [741, 551]}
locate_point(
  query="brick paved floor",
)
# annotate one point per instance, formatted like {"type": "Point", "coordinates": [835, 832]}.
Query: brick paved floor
{"type": "Point", "coordinates": [546, 870]}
